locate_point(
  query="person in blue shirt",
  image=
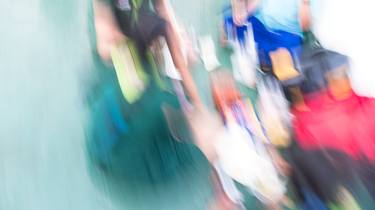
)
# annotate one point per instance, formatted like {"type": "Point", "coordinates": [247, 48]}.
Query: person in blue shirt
{"type": "Point", "coordinates": [276, 24]}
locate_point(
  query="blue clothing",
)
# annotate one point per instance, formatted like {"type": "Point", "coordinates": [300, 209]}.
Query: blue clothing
{"type": "Point", "coordinates": [266, 40]}
{"type": "Point", "coordinates": [284, 15]}
{"type": "Point", "coordinates": [280, 15]}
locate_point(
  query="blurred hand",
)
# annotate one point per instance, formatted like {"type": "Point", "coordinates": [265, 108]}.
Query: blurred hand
{"type": "Point", "coordinates": [239, 11]}
{"type": "Point", "coordinates": [106, 41]}
{"type": "Point", "coordinates": [205, 127]}
{"type": "Point", "coordinates": [239, 19]}
{"type": "Point", "coordinates": [107, 31]}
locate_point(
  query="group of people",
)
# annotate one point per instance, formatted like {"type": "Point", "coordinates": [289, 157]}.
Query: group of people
{"type": "Point", "coordinates": [331, 153]}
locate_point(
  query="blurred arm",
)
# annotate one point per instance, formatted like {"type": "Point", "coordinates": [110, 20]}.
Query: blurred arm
{"type": "Point", "coordinates": [174, 44]}
{"type": "Point", "coordinates": [107, 30]}
{"type": "Point", "coordinates": [252, 5]}
{"type": "Point", "coordinates": [241, 9]}
{"type": "Point", "coordinates": [305, 15]}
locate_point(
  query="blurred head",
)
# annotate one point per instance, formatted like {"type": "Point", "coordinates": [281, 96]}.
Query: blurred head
{"type": "Point", "coordinates": [224, 90]}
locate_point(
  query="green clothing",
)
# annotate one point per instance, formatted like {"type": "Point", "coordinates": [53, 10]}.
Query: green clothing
{"type": "Point", "coordinates": [144, 167]}
{"type": "Point", "coordinates": [145, 151]}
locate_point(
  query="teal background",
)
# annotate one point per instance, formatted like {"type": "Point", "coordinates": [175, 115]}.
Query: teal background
{"type": "Point", "coordinates": [48, 75]}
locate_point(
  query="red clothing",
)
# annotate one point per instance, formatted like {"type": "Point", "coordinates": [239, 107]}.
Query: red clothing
{"type": "Point", "coordinates": [347, 125]}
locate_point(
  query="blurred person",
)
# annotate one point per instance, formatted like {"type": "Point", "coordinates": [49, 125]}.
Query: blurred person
{"type": "Point", "coordinates": [241, 145]}
{"type": "Point", "coordinates": [132, 138]}
{"type": "Point", "coordinates": [334, 131]}
{"type": "Point", "coordinates": [138, 20]}
{"type": "Point", "coordinates": [120, 22]}
{"type": "Point", "coordinates": [275, 24]}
